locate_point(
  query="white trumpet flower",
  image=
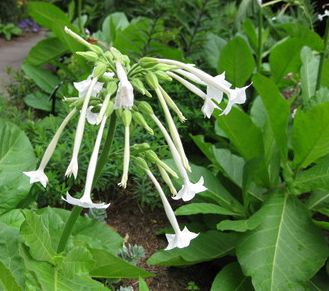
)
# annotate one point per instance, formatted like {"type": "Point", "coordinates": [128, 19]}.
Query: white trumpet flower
{"type": "Point", "coordinates": [72, 169]}
{"type": "Point", "coordinates": [84, 85]}
{"type": "Point", "coordinates": [125, 94]}
{"type": "Point", "coordinates": [85, 201]}
{"type": "Point", "coordinates": [39, 175]}
{"type": "Point", "coordinates": [236, 96]}
{"type": "Point", "coordinates": [91, 116]}
{"type": "Point", "coordinates": [189, 190]}
{"type": "Point", "coordinates": [181, 238]}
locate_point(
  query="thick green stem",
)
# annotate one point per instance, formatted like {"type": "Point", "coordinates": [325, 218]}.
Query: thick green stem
{"type": "Point", "coordinates": [323, 55]}
{"type": "Point", "coordinates": [75, 213]}
{"type": "Point", "coordinates": [260, 39]}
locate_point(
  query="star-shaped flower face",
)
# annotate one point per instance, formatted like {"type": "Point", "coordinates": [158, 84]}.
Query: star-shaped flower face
{"type": "Point", "coordinates": [181, 239]}
{"type": "Point", "coordinates": [84, 85]}
{"type": "Point", "coordinates": [37, 176]}
{"type": "Point", "coordinates": [189, 190]}
{"type": "Point", "coordinates": [236, 96]}
{"type": "Point", "coordinates": [84, 202]}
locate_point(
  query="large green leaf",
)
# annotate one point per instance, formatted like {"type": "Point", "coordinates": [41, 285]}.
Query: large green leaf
{"type": "Point", "coordinates": [70, 43]}
{"type": "Point", "coordinates": [317, 200]}
{"type": "Point", "coordinates": [45, 51]}
{"type": "Point", "coordinates": [212, 49]}
{"type": "Point", "coordinates": [16, 156]}
{"type": "Point", "coordinates": [96, 234]}
{"type": "Point", "coordinates": [236, 61]}
{"type": "Point", "coordinates": [11, 264]}
{"type": "Point", "coordinates": [42, 77]}
{"type": "Point", "coordinates": [310, 135]}
{"type": "Point", "coordinates": [113, 24]}
{"type": "Point", "coordinates": [231, 278]}
{"type": "Point", "coordinates": [38, 100]}
{"type": "Point", "coordinates": [50, 278]}
{"type": "Point", "coordinates": [46, 13]}
{"type": "Point", "coordinates": [308, 72]}
{"type": "Point", "coordinates": [277, 110]}
{"type": "Point", "coordinates": [315, 178]}
{"type": "Point", "coordinates": [285, 250]}
{"type": "Point", "coordinates": [36, 235]}
{"type": "Point", "coordinates": [202, 208]}
{"type": "Point", "coordinates": [285, 58]}
{"type": "Point", "coordinates": [207, 246]}
{"type": "Point", "coordinates": [110, 266]}
{"type": "Point", "coordinates": [242, 133]}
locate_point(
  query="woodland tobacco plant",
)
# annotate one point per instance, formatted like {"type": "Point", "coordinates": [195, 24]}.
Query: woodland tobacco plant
{"type": "Point", "coordinates": [109, 93]}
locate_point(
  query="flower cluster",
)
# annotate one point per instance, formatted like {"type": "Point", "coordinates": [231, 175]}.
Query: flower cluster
{"type": "Point", "coordinates": [110, 91]}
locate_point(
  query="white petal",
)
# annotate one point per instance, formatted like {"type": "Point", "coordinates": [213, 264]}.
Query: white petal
{"type": "Point", "coordinates": [208, 107]}
{"type": "Point", "coordinates": [98, 87]}
{"type": "Point", "coordinates": [125, 96]}
{"type": "Point", "coordinates": [72, 168]}
{"type": "Point", "coordinates": [189, 190]}
{"type": "Point", "coordinates": [214, 92]}
{"type": "Point", "coordinates": [37, 176]}
{"type": "Point", "coordinates": [91, 116]}
{"type": "Point", "coordinates": [180, 240]}
{"type": "Point", "coordinates": [84, 203]}
{"type": "Point", "coordinates": [82, 86]}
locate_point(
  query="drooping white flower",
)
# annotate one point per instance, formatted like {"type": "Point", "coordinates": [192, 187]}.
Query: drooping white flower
{"type": "Point", "coordinates": [189, 189]}
{"type": "Point", "coordinates": [325, 14]}
{"type": "Point", "coordinates": [190, 76]}
{"type": "Point", "coordinates": [84, 85]}
{"type": "Point", "coordinates": [125, 94]}
{"type": "Point", "coordinates": [181, 238]}
{"type": "Point", "coordinates": [235, 96]}
{"type": "Point", "coordinates": [72, 168]}
{"type": "Point", "coordinates": [91, 116]}
{"type": "Point", "coordinates": [85, 201]}
{"type": "Point", "coordinates": [39, 175]}
{"type": "Point", "coordinates": [208, 106]}
{"type": "Point", "coordinates": [126, 117]}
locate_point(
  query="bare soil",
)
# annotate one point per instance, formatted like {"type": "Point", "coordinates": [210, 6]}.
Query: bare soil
{"type": "Point", "coordinates": [139, 226]}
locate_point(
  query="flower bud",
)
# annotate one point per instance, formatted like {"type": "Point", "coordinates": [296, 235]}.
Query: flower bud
{"type": "Point", "coordinates": [167, 180]}
{"type": "Point", "coordinates": [111, 88]}
{"type": "Point", "coordinates": [99, 70]}
{"type": "Point", "coordinates": [96, 49]}
{"type": "Point", "coordinates": [145, 108]}
{"type": "Point", "coordinates": [147, 62]}
{"type": "Point", "coordinates": [163, 76]}
{"type": "Point", "coordinates": [108, 55]}
{"type": "Point", "coordinates": [89, 56]}
{"type": "Point", "coordinates": [152, 79]}
{"type": "Point", "coordinates": [126, 117]}
{"type": "Point", "coordinates": [139, 119]}
{"type": "Point", "coordinates": [139, 86]}
{"type": "Point", "coordinates": [141, 163]}
{"type": "Point", "coordinates": [140, 147]}
{"type": "Point", "coordinates": [110, 108]}
{"type": "Point", "coordinates": [153, 157]}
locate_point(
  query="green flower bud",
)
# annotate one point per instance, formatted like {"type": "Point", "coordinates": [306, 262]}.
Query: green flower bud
{"type": "Point", "coordinates": [145, 108]}
{"type": "Point", "coordinates": [152, 79]}
{"type": "Point", "coordinates": [141, 163]}
{"type": "Point", "coordinates": [167, 180]}
{"type": "Point", "coordinates": [89, 56]}
{"type": "Point", "coordinates": [153, 157]}
{"type": "Point", "coordinates": [99, 70]}
{"type": "Point", "coordinates": [141, 147]}
{"type": "Point", "coordinates": [96, 49]}
{"type": "Point", "coordinates": [111, 88]}
{"type": "Point", "coordinates": [139, 119]}
{"type": "Point", "coordinates": [163, 76]}
{"type": "Point", "coordinates": [110, 108]}
{"type": "Point", "coordinates": [138, 85]}
{"type": "Point", "coordinates": [108, 55]}
{"type": "Point", "coordinates": [126, 117]}
{"type": "Point", "coordinates": [148, 62]}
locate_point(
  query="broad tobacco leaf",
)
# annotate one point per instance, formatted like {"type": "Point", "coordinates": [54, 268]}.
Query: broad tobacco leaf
{"type": "Point", "coordinates": [16, 156]}
{"type": "Point", "coordinates": [286, 250]}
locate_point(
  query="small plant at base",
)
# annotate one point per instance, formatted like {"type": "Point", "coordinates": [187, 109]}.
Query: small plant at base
{"type": "Point", "coordinates": [192, 286]}
{"type": "Point", "coordinates": [132, 253]}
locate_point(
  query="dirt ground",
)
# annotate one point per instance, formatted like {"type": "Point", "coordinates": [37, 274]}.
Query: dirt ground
{"type": "Point", "coordinates": [141, 225]}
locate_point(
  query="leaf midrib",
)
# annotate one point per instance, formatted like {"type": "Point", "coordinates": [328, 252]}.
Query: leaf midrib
{"type": "Point", "coordinates": [277, 242]}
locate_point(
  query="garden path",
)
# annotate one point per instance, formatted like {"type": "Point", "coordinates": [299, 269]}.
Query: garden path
{"type": "Point", "coordinates": [12, 53]}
